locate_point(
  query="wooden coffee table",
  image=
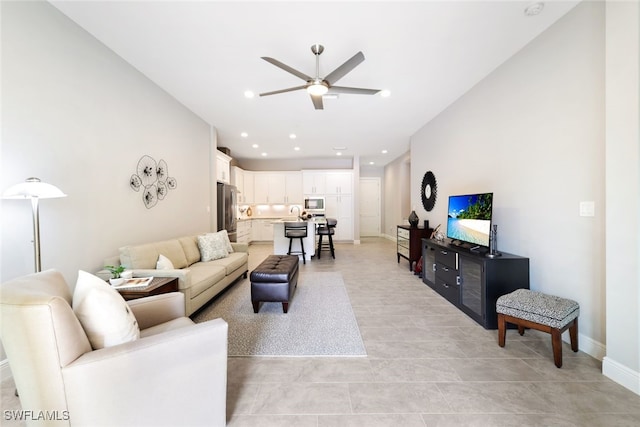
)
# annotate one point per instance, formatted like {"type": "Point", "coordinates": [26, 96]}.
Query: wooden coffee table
{"type": "Point", "coordinates": [159, 285]}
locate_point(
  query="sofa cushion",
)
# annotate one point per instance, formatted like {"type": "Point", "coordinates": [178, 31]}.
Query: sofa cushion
{"type": "Point", "coordinates": [103, 313]}
{"type": "Point", "coordinates": [172, 249]}
{"type": "Point", "coordinates": [139, 256]}
{"type": "Point", "coordinates": [190, 248]}
{"type": "Point", "coordinates": [212, 246]}
{"type": "Point", "coordinates": [231, 263]}
{"type": "Point", "coordinates": [203, 276]}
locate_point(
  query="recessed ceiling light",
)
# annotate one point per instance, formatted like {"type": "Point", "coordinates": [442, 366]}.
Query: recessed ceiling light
{"type": "Point", "coordinates": [338, 153]}
{"type": "Point", "coordinates": [296, 148]}
{"type": "Point", "coordinates": [372, 163]}
{"type": "Point", "coordinates": [293, 136]}
{"type": "Point", "coordinates": [255, 146]}
{"type": "Point", "coordinates": [339, 148]}
{"type": "Point", "coordinates": [264, 154]}
{"type": "Point", "coordinates": [385, 93]}
{"type": "Point", "coordinates": [534, 9]}
{"type": "Point", "coordinates": [248, 94]}
{"type": "Point", "coordinates": [384, 151]}
{"type": "Point", "coordinates": [244, 134]}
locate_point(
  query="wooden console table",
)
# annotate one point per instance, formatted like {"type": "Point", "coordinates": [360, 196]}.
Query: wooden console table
{"type": "Point", "coordinates": [159, 285]}
{"type": "Point", "coordinates": [409, 242]}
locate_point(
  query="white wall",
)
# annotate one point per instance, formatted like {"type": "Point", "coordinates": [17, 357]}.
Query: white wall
{"type": "Point", "coordinates": [623, 193]}
{"type": "Point", "coordinates": [397, 197]}
{"type": "Point", "coordinates": [76, 115]}
{"type": "Point", "coordinates": [532, 133]}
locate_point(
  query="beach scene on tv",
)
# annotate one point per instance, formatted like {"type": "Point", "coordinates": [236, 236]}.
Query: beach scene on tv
{"type": "Point", "coordinates": [469, 218]}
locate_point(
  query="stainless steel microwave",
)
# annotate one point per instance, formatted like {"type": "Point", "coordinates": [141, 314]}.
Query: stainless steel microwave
{"type": "Point", "coordinates": [314, 204]}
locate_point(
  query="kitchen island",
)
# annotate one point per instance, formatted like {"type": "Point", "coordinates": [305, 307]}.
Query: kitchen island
{"type": "Point", "coordinates": [281, 243]}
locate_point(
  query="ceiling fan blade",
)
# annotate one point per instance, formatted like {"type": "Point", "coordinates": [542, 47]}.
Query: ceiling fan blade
{"type": "Point", "coordinates": [317, 102]}
{"type": "Point", "coordinates": [288, 69]}
{"type": "Point", "coordinates": [342, 70]}
{"type": "Point", "coordinates": [353, 90]}
{"type": "Point", "coordinates": [291, 89]}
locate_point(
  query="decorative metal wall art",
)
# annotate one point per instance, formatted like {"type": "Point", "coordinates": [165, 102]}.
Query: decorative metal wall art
{"type": "Point", "coordinates": [429, 191]}
{"type": "Point", "coordinates": [154, 180]}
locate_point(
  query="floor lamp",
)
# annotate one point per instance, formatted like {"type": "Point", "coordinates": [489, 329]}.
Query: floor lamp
{"type": "Point", "coordinates": [35, 190]}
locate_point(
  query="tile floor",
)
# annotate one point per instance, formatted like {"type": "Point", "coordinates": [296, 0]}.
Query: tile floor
{"type": "Point", "coordinates": [428, 364]}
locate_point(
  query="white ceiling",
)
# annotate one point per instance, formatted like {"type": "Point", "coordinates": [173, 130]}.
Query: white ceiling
{"type": "Point", "coordinates": [207, 54]}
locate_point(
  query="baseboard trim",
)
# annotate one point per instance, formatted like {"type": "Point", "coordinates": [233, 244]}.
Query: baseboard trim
{"type": "Point", "coordinates": [588, 345]}
{"type": "Point", "coordinates": [388, 237]}
{"type": "Point", "coordinates": [621, 374]}
{"type": "Point", "coordinates": [5, 370]}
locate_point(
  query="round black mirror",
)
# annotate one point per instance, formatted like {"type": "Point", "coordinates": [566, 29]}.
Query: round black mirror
{"type": "Point", "coordinates": [428, 191]}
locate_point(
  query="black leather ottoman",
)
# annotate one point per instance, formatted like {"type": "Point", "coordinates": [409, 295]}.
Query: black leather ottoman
{"type": "Point", "coordinates": [274, 280]}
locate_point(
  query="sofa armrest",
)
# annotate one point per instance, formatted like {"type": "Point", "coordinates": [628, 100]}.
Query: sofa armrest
{"type": "Point", "coordinates": [183, 275]}
{"type": "Point", "coordinates": [157, 309]}
{"type": "Point", "coordinates": [178, 377]}
{"type": "Point", "coordinates": [240, 247]}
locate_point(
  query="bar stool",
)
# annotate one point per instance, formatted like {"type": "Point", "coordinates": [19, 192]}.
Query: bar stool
{"type": "Point", "coordinates": [327, 230]}
{"type": "Point", "coordinates": [296, 230]}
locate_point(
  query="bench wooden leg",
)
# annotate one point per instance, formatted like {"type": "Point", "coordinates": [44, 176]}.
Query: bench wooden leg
{"type": "Point", "coordinates": [556, 343]}
{"type": "Point", "coordinates": [573, 334]}
{"type": "Point", "coordinates": [521, 329]}
{"type": "Point", "coordinates": [502, 330]}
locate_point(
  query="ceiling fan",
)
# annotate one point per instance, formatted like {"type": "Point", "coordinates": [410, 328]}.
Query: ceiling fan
{"type": "Point", "coordinates": [317, 87]}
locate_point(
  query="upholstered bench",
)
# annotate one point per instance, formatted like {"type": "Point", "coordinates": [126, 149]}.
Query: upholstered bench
{"type": "Point", "coordinates": [546, 313]}
{"type": "Point", "coordinates": [274, 280]}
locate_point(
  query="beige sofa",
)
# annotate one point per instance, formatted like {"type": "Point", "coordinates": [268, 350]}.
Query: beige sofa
{"type": "Point", "coordinates": [198, 281]}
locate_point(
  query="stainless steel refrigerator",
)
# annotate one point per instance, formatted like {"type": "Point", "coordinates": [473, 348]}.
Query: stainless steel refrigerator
{"type": "Point", "coordinates": [227, 210]}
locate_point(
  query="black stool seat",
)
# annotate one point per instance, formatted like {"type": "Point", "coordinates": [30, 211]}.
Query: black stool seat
{"type": "Point", "coordinates": [296, 230]}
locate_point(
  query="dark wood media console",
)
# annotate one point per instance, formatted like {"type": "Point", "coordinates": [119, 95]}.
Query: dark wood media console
{"type": "Point", "coordinates": [472, 281]}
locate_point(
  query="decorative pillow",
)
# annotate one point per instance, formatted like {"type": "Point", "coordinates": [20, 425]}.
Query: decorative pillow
{"type": "Point", "coordinates": [164, 263]}
{"type": "Point", "coordinates": [212, 246]}
{"type": "Point", "coordinates": [227, 241]}
{"type": "Point", "coordinates": [103, 313]}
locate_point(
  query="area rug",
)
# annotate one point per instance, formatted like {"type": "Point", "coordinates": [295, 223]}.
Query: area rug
{"type": "Point", "coordinates": [319, 322]}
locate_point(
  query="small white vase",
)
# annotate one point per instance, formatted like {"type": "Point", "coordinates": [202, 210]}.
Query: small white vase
{"type": "Point", "coordinates": [127, 274]}
{"type": "Point", "coordinates": [116, 282]}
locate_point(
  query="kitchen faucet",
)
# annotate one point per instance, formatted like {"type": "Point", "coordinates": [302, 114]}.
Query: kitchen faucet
{"type": "Point", "coordinates": [295, 207]}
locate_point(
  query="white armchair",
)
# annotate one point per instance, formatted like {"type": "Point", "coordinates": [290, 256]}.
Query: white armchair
{"type": "Point", "coordinates": [175, 374]}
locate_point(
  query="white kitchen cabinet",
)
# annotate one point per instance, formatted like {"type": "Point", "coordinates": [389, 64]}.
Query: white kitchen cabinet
{"type": "Point", "coordinates": [293, 188]}
{"type": "Point", "coordinates": [276, 187]}
{"type": "Point", "coordinates": [262, 230]}
{"type": "Point", "coordinates": [313, 182]}
{"type": "Point", "coordinates": [237, 179]}
{"type": "Point", "coordinates": [244, 232]}
{"type": "Point", "coordinates": [339, 183]}
{"type": "Point", "coordinates": [248, 191]}
{"type": "Point", "coordinates": [222, 167]}
{"type": "Point", "coordinates": [340, 207]}
{"type": "Point", "coordinates": [260, 188]}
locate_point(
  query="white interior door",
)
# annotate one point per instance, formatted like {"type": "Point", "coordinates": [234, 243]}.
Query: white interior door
{"type": "Point", "coordinates": [370, 207]}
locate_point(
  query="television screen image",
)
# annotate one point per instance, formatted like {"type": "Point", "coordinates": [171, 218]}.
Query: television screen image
{"type": "Point", "coordinates": [469, 218]}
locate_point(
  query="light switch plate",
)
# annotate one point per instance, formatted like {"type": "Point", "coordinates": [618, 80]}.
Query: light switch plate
{"type": "Point", "coordinates": [587, 209]}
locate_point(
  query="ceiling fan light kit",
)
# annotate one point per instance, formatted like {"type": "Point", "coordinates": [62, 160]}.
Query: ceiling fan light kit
{"type": "Point", "coordinates": [317, 87]}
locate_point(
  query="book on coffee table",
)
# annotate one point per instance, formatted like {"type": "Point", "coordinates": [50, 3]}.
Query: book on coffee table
{"type": "Point", "coordinates": [135, 282]}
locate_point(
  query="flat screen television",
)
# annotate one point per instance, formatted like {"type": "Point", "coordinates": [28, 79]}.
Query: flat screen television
{"type": "Point", "coordinates": [469, 218]}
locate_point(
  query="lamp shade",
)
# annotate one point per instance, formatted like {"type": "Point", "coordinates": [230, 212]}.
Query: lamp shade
{"type": "Point", "coordinates": [33, 188]}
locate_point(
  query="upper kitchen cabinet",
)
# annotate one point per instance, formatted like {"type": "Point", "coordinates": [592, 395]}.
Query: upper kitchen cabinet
{"type": "Point", "coordinates": [339, 183]}
{"type": "Point", "coordinates": [294, 193]}
{"type": "Point", "coordinates": [313, 182]}
{"type": "Point", "coordinates": [222, 167]}
{"type": "Point", "coordinates": [277, 187]}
